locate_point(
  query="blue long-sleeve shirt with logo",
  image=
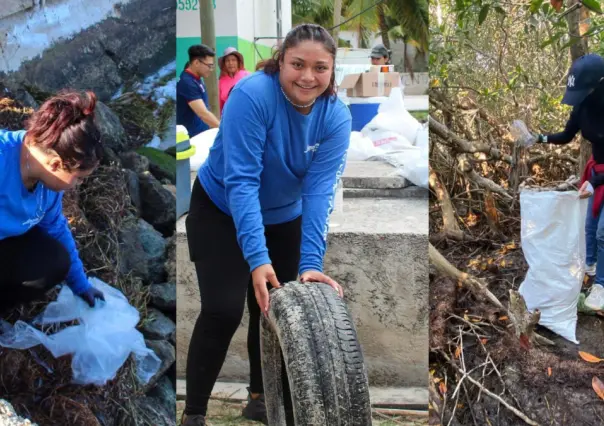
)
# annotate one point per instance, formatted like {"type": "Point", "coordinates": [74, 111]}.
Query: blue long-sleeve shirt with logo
{"type": "Point", "coordinates": [20, 209]}
{"type": "Point", "coordinates": [270, 164]}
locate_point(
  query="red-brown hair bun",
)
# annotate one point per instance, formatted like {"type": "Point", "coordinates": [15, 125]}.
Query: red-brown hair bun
{"type": "Point", "coordinates": [65, 124]}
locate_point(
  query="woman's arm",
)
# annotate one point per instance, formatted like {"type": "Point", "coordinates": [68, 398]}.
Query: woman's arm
{"type": "Point", "coordinates": [244, 136]}
{"type": "Point", "coordinates": [55, 224]}
{"type": "Point", "coordinates": [318, 192]}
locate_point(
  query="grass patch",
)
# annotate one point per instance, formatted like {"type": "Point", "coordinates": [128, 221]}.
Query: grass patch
{"type": "Point", "coordinates": [164, 115]}
{"type": "Point", "coordinates": [160, 160]}
{"type": "Point", "coordinates": [420, 115]}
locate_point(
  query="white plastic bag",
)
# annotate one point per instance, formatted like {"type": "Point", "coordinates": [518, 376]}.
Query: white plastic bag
{"type": "Point", "coordinates": [411, 163]}
{"type": "Point", "coordinates": [521, 133]}
{"type": "Point", "coordinates": [100, 344]}
{"type": "Point", "coordinates": [387, 140]}
{"type": "Point", "coordinates": [202, 142]}
{"type": "Point", "coordinates": [553, 242]}
{"type": "Point", "coordinates": [423, 138]}
{"type": "Point", "coordinates": [361, 148]}
{"type": "Point", "coordinates": [392, 116]}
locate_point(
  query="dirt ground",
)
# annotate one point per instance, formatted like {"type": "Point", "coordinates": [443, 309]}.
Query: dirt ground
{"type": "Point", "coordinates": [228, 414]}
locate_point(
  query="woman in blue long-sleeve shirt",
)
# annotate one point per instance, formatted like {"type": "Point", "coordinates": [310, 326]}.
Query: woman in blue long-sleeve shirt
{"type": "Point", "coordinates": [260, 206]}
{"type": "Point", "coordinates": [60, 146]}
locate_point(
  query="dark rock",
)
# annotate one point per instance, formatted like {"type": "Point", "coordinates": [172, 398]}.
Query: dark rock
{"type": "Point", "coordinates": [155, 412]}
{"type": "Point", "coordinates": [158, 326]}
{"type": "Point", "coordinates": [20, 94]}
{"type": "Point", "coordinates": [159, 204]}
{"type": "Point", "coordinates": [166, 353]}
{"type": "Point", "coordinates": [170, 265]}
{"type": "Point", "coordinates": [133, 258]}
{"type": "Point", "coordinates": [136, 162]}
{"type": "Point", "coordinates": [155, 247]}
{"type": "Point", "coordinates": [110, 158]}
{"type": "Point", "coordinates": [165, 392]}
{"type": "Point", "coordinates": [134, 43]}
{"type": "Point", "coordinates": [163, 296]}
{"type": "Point", "coordinates": [165, 177]}
{"type": "Point", "coordinates": [134, 191]}
{"type": "Point", "coordinates": [113, 134]}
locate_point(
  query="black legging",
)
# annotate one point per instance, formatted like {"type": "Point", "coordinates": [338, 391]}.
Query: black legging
{"type": "Point", "coordinates": [30, 265]}
{"type": "Point", "coordinates": [224, 279]}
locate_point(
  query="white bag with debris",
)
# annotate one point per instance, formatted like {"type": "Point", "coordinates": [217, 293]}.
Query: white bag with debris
{"type": "Point", "coordinates": [553, 242]}
{"type": "Point", "coordinates": [361, 148]}
{"type": "Point", "coordinates": [393, 117]}
{"type": "Point", "coordinates": [100, 344]}
{"type": "Point", "coordinates": [202, 142]}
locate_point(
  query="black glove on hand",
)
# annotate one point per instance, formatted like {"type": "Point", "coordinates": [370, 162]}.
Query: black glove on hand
{"type": "Point", "coordinates": [90, 296]}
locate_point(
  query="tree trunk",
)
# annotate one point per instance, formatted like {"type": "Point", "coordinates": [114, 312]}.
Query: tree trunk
{"type": "Point", "coordinates": [408, 64]}
{"type": "Point", "coordinates": [337, 14]}
{"type": "Point", "coordinates": [451, 228]}
{"type": "Point", "coordinates": [577, 27]}
{"type": "Point", "coordinates": [208, 37]}
{"type": "Point", "coordinates": [383, 26]}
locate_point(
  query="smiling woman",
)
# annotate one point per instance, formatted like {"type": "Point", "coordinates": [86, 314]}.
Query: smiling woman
{"type": "Point", "coordinates": [263, 200]}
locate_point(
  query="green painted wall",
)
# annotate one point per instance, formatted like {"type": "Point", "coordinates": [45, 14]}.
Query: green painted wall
{"type": "Point", "coordinates": [250, 55]}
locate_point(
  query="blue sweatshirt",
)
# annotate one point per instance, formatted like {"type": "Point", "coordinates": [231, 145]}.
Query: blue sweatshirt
{"type": "Point", "coordinates": [270, 164]}
{"type": "Point", "coordinates": [21, 210]}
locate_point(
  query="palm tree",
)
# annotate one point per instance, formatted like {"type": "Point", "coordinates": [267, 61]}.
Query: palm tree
{"type": "Point", "coordinates": [410, 15]}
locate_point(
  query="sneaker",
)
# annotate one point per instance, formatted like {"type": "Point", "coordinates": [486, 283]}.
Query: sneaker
{"type": "Point", "coordinates": [595, 300]}
{"type": "Point", "coordinates": [193, 420]}
{"type": "Point", "coordinates": [255, 409]}
{"type": "Point", "coordinates": [590, 270]}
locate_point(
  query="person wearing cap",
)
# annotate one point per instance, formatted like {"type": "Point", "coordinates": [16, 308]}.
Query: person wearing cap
{"type": "Point", "coordinates": [231, 71]}
{"type": "Point", "coordinates": [380, 55]}
{"type": "Point", "coordinates": [191, 94]}
{"type": "Point", "coordinates": [585, 93]}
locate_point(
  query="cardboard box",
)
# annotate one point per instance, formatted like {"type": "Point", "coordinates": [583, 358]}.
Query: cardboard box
{"type": "Point", "coordinates": [381, 68]}
{"type": "Point", "coordinates": [370, 84]}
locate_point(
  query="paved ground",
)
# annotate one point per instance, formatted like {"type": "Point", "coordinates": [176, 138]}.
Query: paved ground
{"type": "Point", "coordinates": [229, 414]}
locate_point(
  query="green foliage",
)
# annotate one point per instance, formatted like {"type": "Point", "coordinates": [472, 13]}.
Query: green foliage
{"type": "Point", "coordinates": [407, 18]}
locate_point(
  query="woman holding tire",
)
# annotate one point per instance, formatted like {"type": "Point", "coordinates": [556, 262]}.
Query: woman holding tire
{"type": "Point", "coordinates": [60, 146]}
{"type": "Point", "coordinates": [260, 206]}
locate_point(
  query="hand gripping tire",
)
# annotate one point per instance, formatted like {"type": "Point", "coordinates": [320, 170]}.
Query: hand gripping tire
{"type": "Point", "coordinates": [311, 326]}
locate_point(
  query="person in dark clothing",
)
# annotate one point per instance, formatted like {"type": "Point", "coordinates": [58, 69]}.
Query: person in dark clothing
{"type": "Point", "coordinates": [192, 105]}
{"type": "Point", "coordinates": [585, 93]}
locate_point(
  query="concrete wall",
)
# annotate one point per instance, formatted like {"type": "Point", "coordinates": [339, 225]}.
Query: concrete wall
{"type": "Point", "coordinates": [379, 256]}
{"type": "Point", "coordinates": [27, 29]}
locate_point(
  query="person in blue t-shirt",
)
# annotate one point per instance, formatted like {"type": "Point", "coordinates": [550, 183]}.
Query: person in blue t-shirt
{"type": "Point", "coordinates": [191, 95]}
{"type": "Point", "coordinates": [260, 206]}
{"type": "Point", "coordinates": [60, 146]}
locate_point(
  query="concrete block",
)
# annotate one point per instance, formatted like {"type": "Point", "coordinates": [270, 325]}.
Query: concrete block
{"type": "Point", "coordinates": [379, 255]}
{"type": "Point", "coordinates": [372, 175]}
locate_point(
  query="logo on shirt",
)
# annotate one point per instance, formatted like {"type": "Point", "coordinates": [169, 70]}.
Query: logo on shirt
{"type": "Point", "coordinates": [571, 81]}
{"type": "Point", "coordinates": [31, 222]}
{"type": "Point", "coordinates": [311, 148]}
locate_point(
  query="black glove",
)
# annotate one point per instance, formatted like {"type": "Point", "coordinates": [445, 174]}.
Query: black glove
{"type": "Point", "coordinates": [89, 296]}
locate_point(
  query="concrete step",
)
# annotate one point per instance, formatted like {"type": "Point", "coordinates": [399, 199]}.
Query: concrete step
{"type": "Point", "coordinates": [370, 179]}
{"type": "Point", "coordinates": [379, 396]}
